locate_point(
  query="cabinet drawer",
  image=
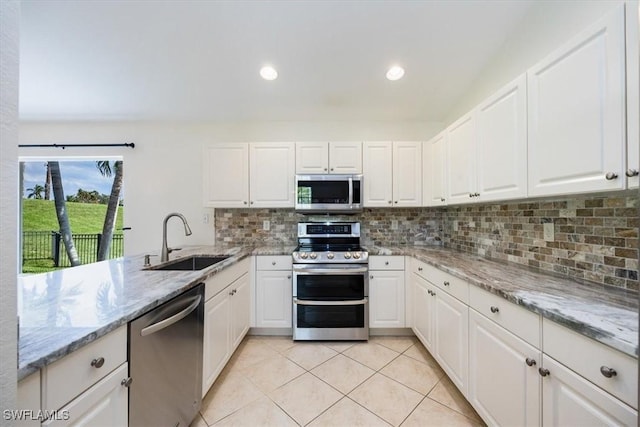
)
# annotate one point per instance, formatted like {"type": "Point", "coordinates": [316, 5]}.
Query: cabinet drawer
{"type": "Point", "coordinates": [66, 378]}
{"type": "Point", "coordinates": [445, 281]}
{"type": "Point", "coordinates": [277, 262]}
{"type": "Point", "coordinates": [386, 262]}
{"type": "Point", "coordinates": [522, 322]}
{"type": "Point", "coordinates": [587, 357]}
{"type": "Point", "coordinates": [222, 279]}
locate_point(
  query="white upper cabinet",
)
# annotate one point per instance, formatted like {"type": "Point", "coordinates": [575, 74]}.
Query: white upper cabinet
{"type": "Point", "coordinates": [271, 174]}
{"type": "Point", "coordinates": [576, 111]}
{"type": "Point", "coordinates": [392, 173]}
{"type": "Point", "coordinates": [226, 175]}
{"type": "Point", "coordinates": [241, 175]}
{"type": "Point", "coordinates": [329, 157]}
{"type": "Point", "coordinates": [502, 143]}
{"type": "Point", "coordinates": [378, 174]}
{"type": "Point", "coordinates": [434, 171]}
{"type": "Point", "coordinates": [633, 99]}
{"type": "Point", "coordinates": [461, 160]}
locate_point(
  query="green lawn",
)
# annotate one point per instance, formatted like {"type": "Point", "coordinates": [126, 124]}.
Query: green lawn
{"type": "Point", "coordinates": [40, 215]}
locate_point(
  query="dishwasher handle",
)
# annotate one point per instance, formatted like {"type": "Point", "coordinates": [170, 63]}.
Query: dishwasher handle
{"type": "Point", "coordinates": [158, 326]}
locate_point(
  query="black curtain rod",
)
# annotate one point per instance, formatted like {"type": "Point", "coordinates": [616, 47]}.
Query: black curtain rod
{"type": "Point", "coordinates": [63, 146]}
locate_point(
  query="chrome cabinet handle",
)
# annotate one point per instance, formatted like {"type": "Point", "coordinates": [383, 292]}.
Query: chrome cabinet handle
{"type": "Point", "coordinates": [98, 362]}
{"type": "Point", "coordinates": [543, 372]}
{"type": "Point", "coordinates": [126, 382]}
{"type": "Point", "coordinates": [446, 283]}
{"type": "Point", "coordinates": [608, 372]}
{"type": "Point", "coordinates": [631, 173]}
{"type": "Point", "coordinates": [611, 176]}
{"type": "Point", "coordinates": [530, 362]}
{"type": "Point", "coordinates": [494, 309]}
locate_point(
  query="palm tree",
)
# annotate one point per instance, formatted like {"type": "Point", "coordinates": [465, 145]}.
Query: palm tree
{"type": "Point", "coordinates": [112, 207]}
{"type": "Point", "coordinates": [61, 212]}
{"type": "Point", "coordinates": [35, 192]}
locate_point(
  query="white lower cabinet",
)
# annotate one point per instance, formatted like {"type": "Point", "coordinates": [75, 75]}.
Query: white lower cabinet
{"type": "Point", "coordinates": [273, 292]}
{"type": "Point", "coordinates": [570, 400]}
{"type": "Point", "coordinates": [226, 319]}
{"type": "Point", "coordinates": [386, 292]}
{"type": "Point", "coordinates": [504, 384]}
{"type": "Point", "coordinates": [441, 322]}
{"type": "Point", "coordinates": [104, 404]}
{"type": "Point", "coordinates": [28, 399]}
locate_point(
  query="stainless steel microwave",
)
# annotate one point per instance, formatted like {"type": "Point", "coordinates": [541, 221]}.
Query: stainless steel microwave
{"type": "Point", "coordinates": [329, 193]}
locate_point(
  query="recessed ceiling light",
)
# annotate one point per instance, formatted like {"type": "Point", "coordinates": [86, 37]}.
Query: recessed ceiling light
{"type": "Point", "coordinates": [268, 73]}
{"type": "Point", "coordinates": [395, 73]}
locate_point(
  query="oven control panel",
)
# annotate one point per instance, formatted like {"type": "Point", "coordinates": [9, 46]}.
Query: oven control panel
{"type": "Point", "coordinates": [320, 257]}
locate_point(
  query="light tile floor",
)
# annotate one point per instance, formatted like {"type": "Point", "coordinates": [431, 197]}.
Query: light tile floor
{"type": "Point", "coordinates": [273, 381]}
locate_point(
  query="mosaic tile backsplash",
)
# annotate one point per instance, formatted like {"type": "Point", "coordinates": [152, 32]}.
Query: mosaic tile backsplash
{"type": "Point", "coordinates": [594, 237]}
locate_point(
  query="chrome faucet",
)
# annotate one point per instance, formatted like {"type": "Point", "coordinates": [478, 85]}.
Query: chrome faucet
{"type": "Point", "coordinates": [165, 249]}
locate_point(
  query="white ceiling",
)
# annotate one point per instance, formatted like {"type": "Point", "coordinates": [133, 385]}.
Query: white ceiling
{"type": "Point", "coordinates": [199, 60]}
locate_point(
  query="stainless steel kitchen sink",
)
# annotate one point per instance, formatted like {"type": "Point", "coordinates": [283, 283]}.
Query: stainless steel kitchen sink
{"type": "Point", "coordinates": [191, 263]}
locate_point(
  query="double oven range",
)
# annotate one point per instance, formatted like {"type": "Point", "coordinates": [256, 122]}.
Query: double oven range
{"type": "Point", "coordinates": [330, 283]}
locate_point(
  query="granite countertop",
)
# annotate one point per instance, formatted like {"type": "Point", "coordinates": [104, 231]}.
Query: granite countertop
{"type": "Point", "coordinates": [64, 310]}
{"type": "Point", "coordinates": [606, 314]}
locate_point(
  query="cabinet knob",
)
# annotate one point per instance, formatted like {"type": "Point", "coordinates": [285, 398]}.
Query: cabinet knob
{"type": "Point", "coordinates": [530, 362]}
{"type": "Point", "coordinates": [543, 372]}
{"type": "Point", "coordinates": [631, 172]}
{"type": "Point", "coordinates": [273, 263]}
{"type": "Point", "coordinates": [252, 202]}
{"type": "Point", "coordinates": [419, 268]}
{"type": "Point", "coordinates": [494, 309]}
{"type": "Point", "coordinates": [470, 195]}
{"type": "Point", "coordinates": [446, 283]}
{"type": "Point", "coordinates": [244, 202]}
{"type": "Point", "coordinates": [98, 362]}
{"type": "Point", "coordinates": [396, 202]}
{"type": "Point", "coordinates": [386, 263]}
{"type": "Point", "coordinates": [390, 202]}
{"type": "Point", "coordinates": [325, 169]}
{"type": "Point", "coordinates": [126, 382]}
{"type": "Point", "coordinates": [608, 372]}
{"type": "Point", "coordinates": [231, 293]}
{"type": "Point", "coordinates": [371, 277]}
{"type": "Point", "coordinates": [289, 277]}
{"type": "Point", "coordinates": [442, 200]}
{"type": "Point", "coordinates": [331, 169]}
{"type": "Point", "coordinates": [611, 176]}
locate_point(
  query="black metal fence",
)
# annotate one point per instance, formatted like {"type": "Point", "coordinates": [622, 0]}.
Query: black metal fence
{"type": "Point", "coordinates": [49, 245]}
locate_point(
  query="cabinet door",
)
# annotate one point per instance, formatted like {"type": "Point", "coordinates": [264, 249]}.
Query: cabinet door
{"type": "Point", "coordinates": [570, 400]}
{"type": "Point", "coordinates": [502, 143]}
{"type": "Point", "coordinates": [28, 399]}
{"type": "Point", "coordinates": [378, 174]}
{"type": "Point", "coordinates": [345, 157]}
{"type": "Point", "coordinates": [434, 171]}
{"type": "Point", "coordinates": [386, 299]}
{"type": "Point", "coordinates": [273, 299]}
{"type": "Point", "coordinates": [451, 338]}
{"type": "Point", "coordinates": [226, 175]}
{"type": "Point", "coordinates": [240, 310]}
{"type": "Point", "coordinates": [577, 113]}
{"type": "Point", "coordinates": [407, 173]}
{"type": "Point", "coordinates": [423, 311]}
{"type": "Point", "coordinates": [217, 337]}
{"type": "Point", "coordinates": [461, 155]}
{"type": "Point", "coordinates": [272, 174]}
{"type": "Point", "coordinates": [104, 404]}
{"type": "Point", "coordinates": [633, 98]}
{"type": "Point", "coordinates": [312, 157]}
{"type": "Point", "coordinates": [504, 384]}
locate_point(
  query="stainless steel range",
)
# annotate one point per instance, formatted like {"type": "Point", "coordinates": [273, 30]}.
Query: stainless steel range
{"type": "Point", "coordinates": [330, 283]}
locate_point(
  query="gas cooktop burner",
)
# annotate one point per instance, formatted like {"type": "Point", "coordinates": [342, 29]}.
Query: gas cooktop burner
{"type": "Point", "coordinates": [337, 242]}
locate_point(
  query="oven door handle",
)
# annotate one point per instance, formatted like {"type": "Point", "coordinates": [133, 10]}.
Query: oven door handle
{"type": "Point", "coordinates": [311, 269]}
{"type": "Point", "coordinates": [309, 302]}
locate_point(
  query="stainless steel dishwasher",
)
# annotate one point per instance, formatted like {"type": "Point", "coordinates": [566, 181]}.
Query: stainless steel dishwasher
{"type": "Point", "coordinates": [165, 362]}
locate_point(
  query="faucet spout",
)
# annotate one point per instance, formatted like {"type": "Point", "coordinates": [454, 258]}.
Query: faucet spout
{"type": "Point", "coordinates": [166, 250]}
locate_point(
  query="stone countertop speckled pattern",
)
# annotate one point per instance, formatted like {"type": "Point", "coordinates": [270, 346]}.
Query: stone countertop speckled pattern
{"type": "Point", "coordinates": [608, 315]}
{"type": "Point", "coordinates": [64, 310]}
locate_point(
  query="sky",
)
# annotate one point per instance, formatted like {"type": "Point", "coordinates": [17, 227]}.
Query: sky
{"type": "Point", "coordinates": [75, 174]}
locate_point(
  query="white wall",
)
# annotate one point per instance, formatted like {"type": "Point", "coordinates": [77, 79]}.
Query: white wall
{"type": "Point", "coordinates": [162, 173]}
{"type": "Point", "coordinates": [9, 59]}
{"type": "Point", "coordinates": [547, 25]}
